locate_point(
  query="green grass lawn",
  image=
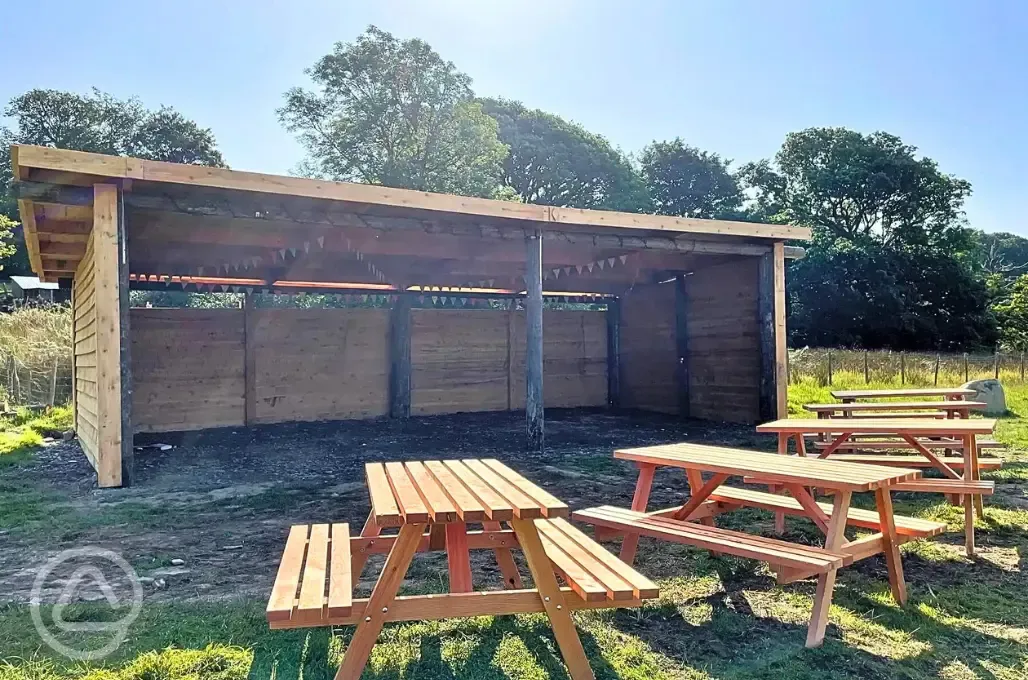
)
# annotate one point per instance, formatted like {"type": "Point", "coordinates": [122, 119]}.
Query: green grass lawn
{"type": "Point", "coordinates": [717, 617]}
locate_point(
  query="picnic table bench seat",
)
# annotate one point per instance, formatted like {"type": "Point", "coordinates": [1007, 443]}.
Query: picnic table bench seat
{"type": "Point", "coordinates": [912, 527]}
{"type": "Point", "coordinates": [864, 407]}
{"type": "Point", "coordinates": [949, 486]}
{"type": "Point", "coordinates": [807, 558]}
{"type": "Point", "coordinates": [915, 461]}
{"type": "Point", "coordinates": [878, 444]}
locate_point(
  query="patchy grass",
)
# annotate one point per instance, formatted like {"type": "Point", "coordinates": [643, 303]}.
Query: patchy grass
{"type": "Point", "coordinates": [24, 432]}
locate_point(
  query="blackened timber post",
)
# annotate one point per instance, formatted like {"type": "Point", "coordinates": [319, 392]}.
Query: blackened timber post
{"type": "Point", "coordinates": [125, 344]}
{"type": "Point", "coordinates": [614, 353]}
{"type": "Point", "coordinates": [399, 357]}
{"type": "Point", "coordinates": [534, 340]}
{"type": "Point", "coordinates": [682, 344]}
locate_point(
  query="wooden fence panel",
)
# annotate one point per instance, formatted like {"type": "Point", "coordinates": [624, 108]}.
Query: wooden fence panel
{"type": "Point", "coordinates": [649, 353]}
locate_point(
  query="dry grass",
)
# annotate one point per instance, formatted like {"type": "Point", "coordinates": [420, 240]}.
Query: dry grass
{"type": "Point", "coordinates": [906, 368]}
{"type": "Point", "coordinates": [32, 342]}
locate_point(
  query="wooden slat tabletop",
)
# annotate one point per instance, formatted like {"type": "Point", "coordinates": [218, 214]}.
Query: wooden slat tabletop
{"type": "Point", "coordinates": [912, 392]}
{"type": "Point", "coordinates": [828, 474]}
{"type": "Point", "coordinates": [898, 406]}
{"type": "Point", "coordinates": [448, 491]}
{"type": "Point", "coordinates": [883, 425]}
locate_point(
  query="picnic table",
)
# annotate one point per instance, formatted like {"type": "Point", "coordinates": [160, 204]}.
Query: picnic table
{"type": "Point", "coordinates": [692, 522]}
{"type": "Point", "coordinates": [908, 409]}
{"type": "Point", "coordinates": [949, 393]}
{"type": "Point", "coordinates": [431, 504]}
{"type": "Point", "coordinates": [966, 489]}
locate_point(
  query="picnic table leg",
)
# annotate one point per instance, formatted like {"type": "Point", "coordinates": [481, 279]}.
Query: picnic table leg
{"type": "Point", "coordinates": [893, 562]}
{"type": "Point", "coordinates": [783, 449]}
{"type": "Point", "coordinates": [458, 558]}
{"type": "Point", "coordinates": [509, 569]}
{"type": "Point", "coordinates": [553, 600]}
{"type": "Point", "coordinates": [695, 478]}
{"type": "Point", "coordinates": [639, 502]}
{"type": "Point", "coordinates": [834, 539]}
{"type": "Point", "coordinates": [979, 503]}
{"type": "Point", "coordinates": [801, 445]}
{"type": "Point", "coordinates": [396, 564]}
{"type": "Point", "coordinates": [360, 558]}
{"type": "Point", "coordinates": [969, 471]}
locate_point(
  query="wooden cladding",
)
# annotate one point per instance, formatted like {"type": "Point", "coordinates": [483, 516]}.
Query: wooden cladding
{"type": "Point", "coordinates": [191, 371]}
{"type": "Point", "coordinates": [83, 293]}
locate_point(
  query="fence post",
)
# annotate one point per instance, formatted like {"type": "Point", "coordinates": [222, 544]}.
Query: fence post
{"type": "Point", "coordinates": [965, 366]}
{"type": "Point", "coordinates": [938, 358]}
{"type": "Point", "coordinates": [867, 374]}
{"type": "Point", "coordinates": [903, 369]}
{"type": "Point", "coordinates": [829, 367]}
{"type": "Point", "coordinates": [995, 364]}
{"type": "Point", "coordinates": [53, 385]}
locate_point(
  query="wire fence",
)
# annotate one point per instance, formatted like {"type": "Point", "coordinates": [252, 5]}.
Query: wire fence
{"type": "Point", "coordinates": [35, 357]}
{"type": "Point", "coordinates": [830, 366]}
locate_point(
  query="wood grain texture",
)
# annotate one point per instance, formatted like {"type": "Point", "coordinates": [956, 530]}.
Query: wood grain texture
{"type": "Point", "coordinates": [648, 349]}
{"type": "Point", "coordinates": [84, 323]}
{"type": "Point", "coordinates": [107, 309]}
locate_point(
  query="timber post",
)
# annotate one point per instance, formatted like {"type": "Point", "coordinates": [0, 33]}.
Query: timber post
{"type": "Point", "coordinates": [399, 357]}
{"type": "Point", "coordinates": [534, 412]}
{"type": "Point", "coordinates": [614, 353]}
{"type": "Point", "coordinates": [682, 345]}
{"type": "Point", "coordinates": [125, 345]}
{"type": "Point", "coordinates": [774, 376]}
{"type": "Point", "coordinates": [249, 360]}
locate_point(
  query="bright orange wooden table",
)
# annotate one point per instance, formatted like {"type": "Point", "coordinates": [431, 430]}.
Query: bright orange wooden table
{"type": "Point", "coordinates": [431, 504]}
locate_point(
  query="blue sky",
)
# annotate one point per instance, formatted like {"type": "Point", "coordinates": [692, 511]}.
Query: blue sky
{"type": "Point", "coordinates": [732, 77]}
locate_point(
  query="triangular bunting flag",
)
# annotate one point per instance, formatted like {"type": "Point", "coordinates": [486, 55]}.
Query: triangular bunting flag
{"type": "Point", "coordinates": [611, 261]}
{"type": "Point", "coordinates": [567, 271]}
{"type": "Point", "coordinates": [578, 268]}
{"type": "Point", "coordinates": [306, 246]}
{"type": "Point", "coordinates": [556, 273]}
{"type": "Point", "coordinates": [590, 267]}
{"type": "Point", "coordinates": [624, 258]}
{"type": "Point", "coordinates": [321, 241]}
{"type": "Point", "coordinates": [600, 264]}
{"type": "Point", "coordinates": [292, 251]}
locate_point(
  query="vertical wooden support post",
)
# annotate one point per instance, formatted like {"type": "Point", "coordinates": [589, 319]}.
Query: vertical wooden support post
{"type": "Point", "coordinates": [534, 340]}
{"type": "Point", "coordinates": [682, 345]}
{"type": "Point", "coordinates": [399, 357]}
{"type": "Point", "coordinates": [249, 360]}
{"type": "Point", "coordinates": [903, 368]}
{"type": "Point", "coordinates": [614, 353]}
{"type": "Point", "coordinates": [114, 436]}
{"type": "Point", "coordinates": [774, 357]}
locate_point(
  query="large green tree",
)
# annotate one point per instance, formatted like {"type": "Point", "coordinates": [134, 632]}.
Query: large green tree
{"type": "Point", "coordinates": [393, 112]}
{"type": "Point", "coordinates": [683, 180]}
{"type": "Point", "coordinates": [891, 262]}
{"type": "Point", "coordinates": [100, 123]}
{"type": "Point", "coordinates": [557, 162]}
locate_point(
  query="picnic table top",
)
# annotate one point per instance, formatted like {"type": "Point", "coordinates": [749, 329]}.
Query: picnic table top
{"type": "Point", "coordinates": [828, 474]}
{"type": "Point", "coordinates": [899, 406]}
{"type": "Point", "coordinates": [911, 392]}
{"type": "Point", "coordinates": [884, 425]}
{"type": "Point", "coordinates": [455, 491]}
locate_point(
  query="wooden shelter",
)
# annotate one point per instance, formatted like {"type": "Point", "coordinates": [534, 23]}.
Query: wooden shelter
{"type": "Point", "coordinates": [694, 321]}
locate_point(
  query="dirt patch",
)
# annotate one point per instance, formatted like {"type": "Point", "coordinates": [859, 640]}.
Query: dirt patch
{"type": "Point", "coordinates": [219, 503]}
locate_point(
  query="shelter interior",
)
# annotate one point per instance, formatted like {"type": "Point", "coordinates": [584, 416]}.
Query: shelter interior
{"type": "Point", "coordinates": [684, 315]}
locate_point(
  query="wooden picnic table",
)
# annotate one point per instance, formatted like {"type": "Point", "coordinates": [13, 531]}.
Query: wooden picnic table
{"type": "Point", "coordinates": [950, 408]}
{"type": "Point", "coordinates": [840, 430]}
{"type": "Point", "coordinates": [692, 521]}
{"type": "Point", "coordinates": [951, 393]}
{"type": "Point", "coordinates": [431, 504]}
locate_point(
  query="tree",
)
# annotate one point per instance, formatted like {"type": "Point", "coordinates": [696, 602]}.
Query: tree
{"type": "Point", "coordinates": [684, 181]}
{"type": "Point", "coordinates": [860, 187]}
{"type": "Point", "coordinates": [1012, 313]}
{"type": "Point", "coordinates": [1002, 253]}
{"type": "Point", "coordinates": [556, 162]}
{"type": "Point", "coordinates": [393, 112]}
{"type": "Point", "coordinates": [100, 123]}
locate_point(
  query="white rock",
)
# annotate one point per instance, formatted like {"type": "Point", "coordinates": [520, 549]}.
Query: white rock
{"type": "Point", "coordinates": [991, 392]}
{"type": "Point", "coordinates": [177, 562]}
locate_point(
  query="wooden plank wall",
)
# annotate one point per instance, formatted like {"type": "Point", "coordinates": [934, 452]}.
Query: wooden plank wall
{"type": "Point", "coordinates": [724, 341]}
{"type": "Point", "coordinates": [648, 348]}
{"type": "Point", "coordinates": [320, 364]}
{"type": "Point", "coordinates": [187, 368]}
{"type": "Point", "coordinates": [84, 333]}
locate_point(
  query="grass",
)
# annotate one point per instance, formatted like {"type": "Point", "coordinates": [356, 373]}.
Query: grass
{"type": "Point", "coordinates": [24, 432]}
{"type": "Point", "coordinates": [717, 617]}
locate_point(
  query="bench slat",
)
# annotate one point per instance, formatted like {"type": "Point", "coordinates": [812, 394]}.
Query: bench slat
{"type": "Point", "coordinates": [469, 508]}
{"type": "Point", "coordinates": [580, 580]}
{"type": "Point", "coordinates": [439, 504]}
{"type": "Point", "coordinates": [387, 512]}
{"type": "Point", "coordinates": [642, 587]}
{"type": "Point", "coordinates": [897, 406]}
{"type": "Point", "coordinates": [915, 461]}
{"type": "Point", "coordinates": [615, 588]}
{"type": "Point", "coordinates": [867, 519]}
{"type": "Point", "coordinates": [715, 539]}
{"type": "Point", "coordinates": [524, 507]}
{"type": "Point", "coordinates": [411, 505]}
{"type": "Point", "coordinates": [496, 507]}
{"type": "Point", "coordinates": [960, 486]}
{"type": "Point", "coordinates": [287, 581]}
{"type": "Point", "coordinates": [901, 444]}
{"type": "Point", "coordinates": [312, 587]}
{"type": "Point", "coordinates": [340, 587]}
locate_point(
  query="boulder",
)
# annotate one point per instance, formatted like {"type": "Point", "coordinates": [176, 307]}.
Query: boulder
{"type": "Point", "coordinates": [991, 392]}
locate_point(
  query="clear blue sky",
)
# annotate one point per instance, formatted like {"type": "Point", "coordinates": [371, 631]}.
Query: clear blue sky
{"type": "Point", "coordinates": [733, 77]}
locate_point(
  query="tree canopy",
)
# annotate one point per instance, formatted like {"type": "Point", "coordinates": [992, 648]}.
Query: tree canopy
{"type": "Point", "coordinates": [556, 162]}
{"type": "Point", "coordinates": [100, 123]}
{"type": "Point", "coordinates": [683, 180]}
{"type": "Point", "coordinates": [393, 112]}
